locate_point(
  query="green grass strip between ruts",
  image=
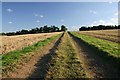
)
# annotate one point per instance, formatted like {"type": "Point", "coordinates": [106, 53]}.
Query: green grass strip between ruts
{"type": "Point", "coordinates": [65, 64]}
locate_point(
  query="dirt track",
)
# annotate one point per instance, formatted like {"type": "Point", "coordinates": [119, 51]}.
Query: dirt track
{"type": "Point", "coordinates": [37, 64]}
{"type": "Point", "coordinates": [93, 64]}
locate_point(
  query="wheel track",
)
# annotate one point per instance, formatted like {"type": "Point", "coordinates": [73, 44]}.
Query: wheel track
{"type": "Point", "coordinates": [94, 65]}
{"type": "Point", "coordinates": [37, 65]}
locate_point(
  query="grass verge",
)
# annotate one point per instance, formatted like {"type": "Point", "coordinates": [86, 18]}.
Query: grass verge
{"type": "Point", "coordinates": [107, 46]}
{"type": "Point", "coordinates": [65, 64]}
{"type": "Point", "coordinates": [110, 48]}
{"type": "Point", "coordinates": [11, 59]}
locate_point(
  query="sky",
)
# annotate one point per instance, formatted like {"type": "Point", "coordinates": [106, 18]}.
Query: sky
{"type": "Point", "coordinates": [27, 15]}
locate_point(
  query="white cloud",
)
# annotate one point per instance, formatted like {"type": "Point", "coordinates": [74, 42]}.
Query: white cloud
{"type": "Point", "coordinates": [74, 28]}
{"type": "Point", "coordinates": [41, 16]}
{"type": "Point", "coordinates": [10, 22]}
{"type": "Point", "coordinates": [38, 15]}
{"type": "Point", "coordinates": [37, 21]}
{"type": "Point", "coordinates": [110, 2]}
{"type": "Point", "coordinates": [112, 21]}
{"type": "Point", "coordinates": [35, 14]}
{"type": "Point", "coordinates": [93, 12]}
{"type": "Point", "coordinates": [9, 10]}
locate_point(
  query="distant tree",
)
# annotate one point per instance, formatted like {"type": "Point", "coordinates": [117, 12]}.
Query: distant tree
{"type": "Point", "coordinates": [37, 30]}
{"type": "Point", "coordinates": [89, 28]}
{"type": "Point", "coordinates": [54, 29]}
{"type": "Point", "coordinates": [83, 28]}
{"type": "Point", "coordinates": [63, 28]}
{"type": "Point", "coordinates": [18, 33]}
{"type": "Point", "coordinates": [45, 29]}
{"type": "Point", "coordinates": [24, 31]}
{"type": "Point", "coordinates": [2, 33]}
{"type": "Point", "coordinates": [118, 26]}
{"type": "Point", "coordinates": [10, 33]}
{"type": "Point", "coordinates": [99, 27]}
{"type": "Point", "coordinates": [32, 31]}
{"type": "Point", "coordinates": [57, 29]}
{"type": "Point", "coordinates": [41, 29]}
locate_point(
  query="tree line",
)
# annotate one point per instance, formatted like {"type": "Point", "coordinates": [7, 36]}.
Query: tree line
{"type": "Point", "coordinates": [44, 29]}
{"type": "Point", "coordinates": [99, 27]}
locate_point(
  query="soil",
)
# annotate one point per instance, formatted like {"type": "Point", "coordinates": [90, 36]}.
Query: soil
{"type": "Point", "coordinates": [37, 66]}
{"type": "Point", "coordinates": [93, 64]}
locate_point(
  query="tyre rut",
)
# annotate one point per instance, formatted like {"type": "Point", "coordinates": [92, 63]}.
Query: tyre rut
{"type": "Point", "coordinates": [93, 64]}
{"type": "Point", "coordinates": [37, 63]}
{"type": "Point", "coordinates": [43, 63]}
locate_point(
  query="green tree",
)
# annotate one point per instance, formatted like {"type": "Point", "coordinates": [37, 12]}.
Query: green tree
{"type": "Point", "coordinates": [63, 28]}
{"type": "Point", "coordinates": [24, 31]}
{"type": "Point", "coordinates": [45, 29]}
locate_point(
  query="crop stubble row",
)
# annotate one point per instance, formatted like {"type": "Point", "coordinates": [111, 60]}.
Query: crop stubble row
{"type": "Point", "coordinates": [110, 35]}
{"type": "Point", "coordinates": [11, 43]}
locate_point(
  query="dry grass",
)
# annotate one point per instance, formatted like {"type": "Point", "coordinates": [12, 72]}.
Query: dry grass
{"type": "Point", "coordinates": [111, 35]}
{"type": "Point", "coordinates": [15, 59]}
{"type": "Point", "coordinates": [113, 32]}
{"type": "Point", "coordinates": [11, 43]}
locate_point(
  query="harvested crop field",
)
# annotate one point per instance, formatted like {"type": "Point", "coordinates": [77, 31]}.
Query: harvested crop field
{"type": "Point", "coordinates": [13, 65]}
{"type": "Point", "coordinates": [111, 35]}
{"type": "Point", "coordinates": [11, 43]}
{"type": "Point", "coordinates": [66, 55]}
{"type": "Point", "coordinates": [59, 40]}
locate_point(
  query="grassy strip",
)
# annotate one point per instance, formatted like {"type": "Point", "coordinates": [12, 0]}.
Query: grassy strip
{"type": "Point", "coordinates": [10, 59]}
{"type": "Point", "coordinates": [65, 64]}
{"type": "Point", "coordinates": [110, 48]}
{"type": "Point", "coordinates": [107, 50]}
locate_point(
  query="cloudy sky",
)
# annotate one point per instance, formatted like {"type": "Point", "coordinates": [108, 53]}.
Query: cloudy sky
{"type": "Point", "coordinates": [27, 15]}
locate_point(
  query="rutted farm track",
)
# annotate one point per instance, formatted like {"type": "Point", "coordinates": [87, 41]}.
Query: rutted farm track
{"type": "Point", "coordinates": [94, 64]}
{"type": "Point", "coordinates": [66, 57]}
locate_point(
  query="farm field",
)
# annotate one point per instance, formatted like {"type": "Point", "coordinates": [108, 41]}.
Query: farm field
{"type": "Point", "coordinates": [110, 35]}
{"type": "Point", "coordinates": [59, 40]}
{"type": "Point", "coordinates": [10, 43]}
{"type": "Point", "coordinates": [16, 59]}
{"type": "Point", "coordinates": [65, 55]}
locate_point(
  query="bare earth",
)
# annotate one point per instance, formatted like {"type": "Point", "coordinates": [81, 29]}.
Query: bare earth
{"type": "Point", "coordinates": [38, 62]}
{"type": "Point", "coordinates": [10, 43]}
{"type": "Point", "coordinates": [93, 64]}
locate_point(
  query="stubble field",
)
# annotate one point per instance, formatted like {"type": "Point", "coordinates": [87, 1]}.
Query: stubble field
{"type": "Point", "coordinates": [86, 54]}
{"type": "Point", "coordinates": [10, 43]}
{"type": "Point", "coordinates": [111, 35]}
